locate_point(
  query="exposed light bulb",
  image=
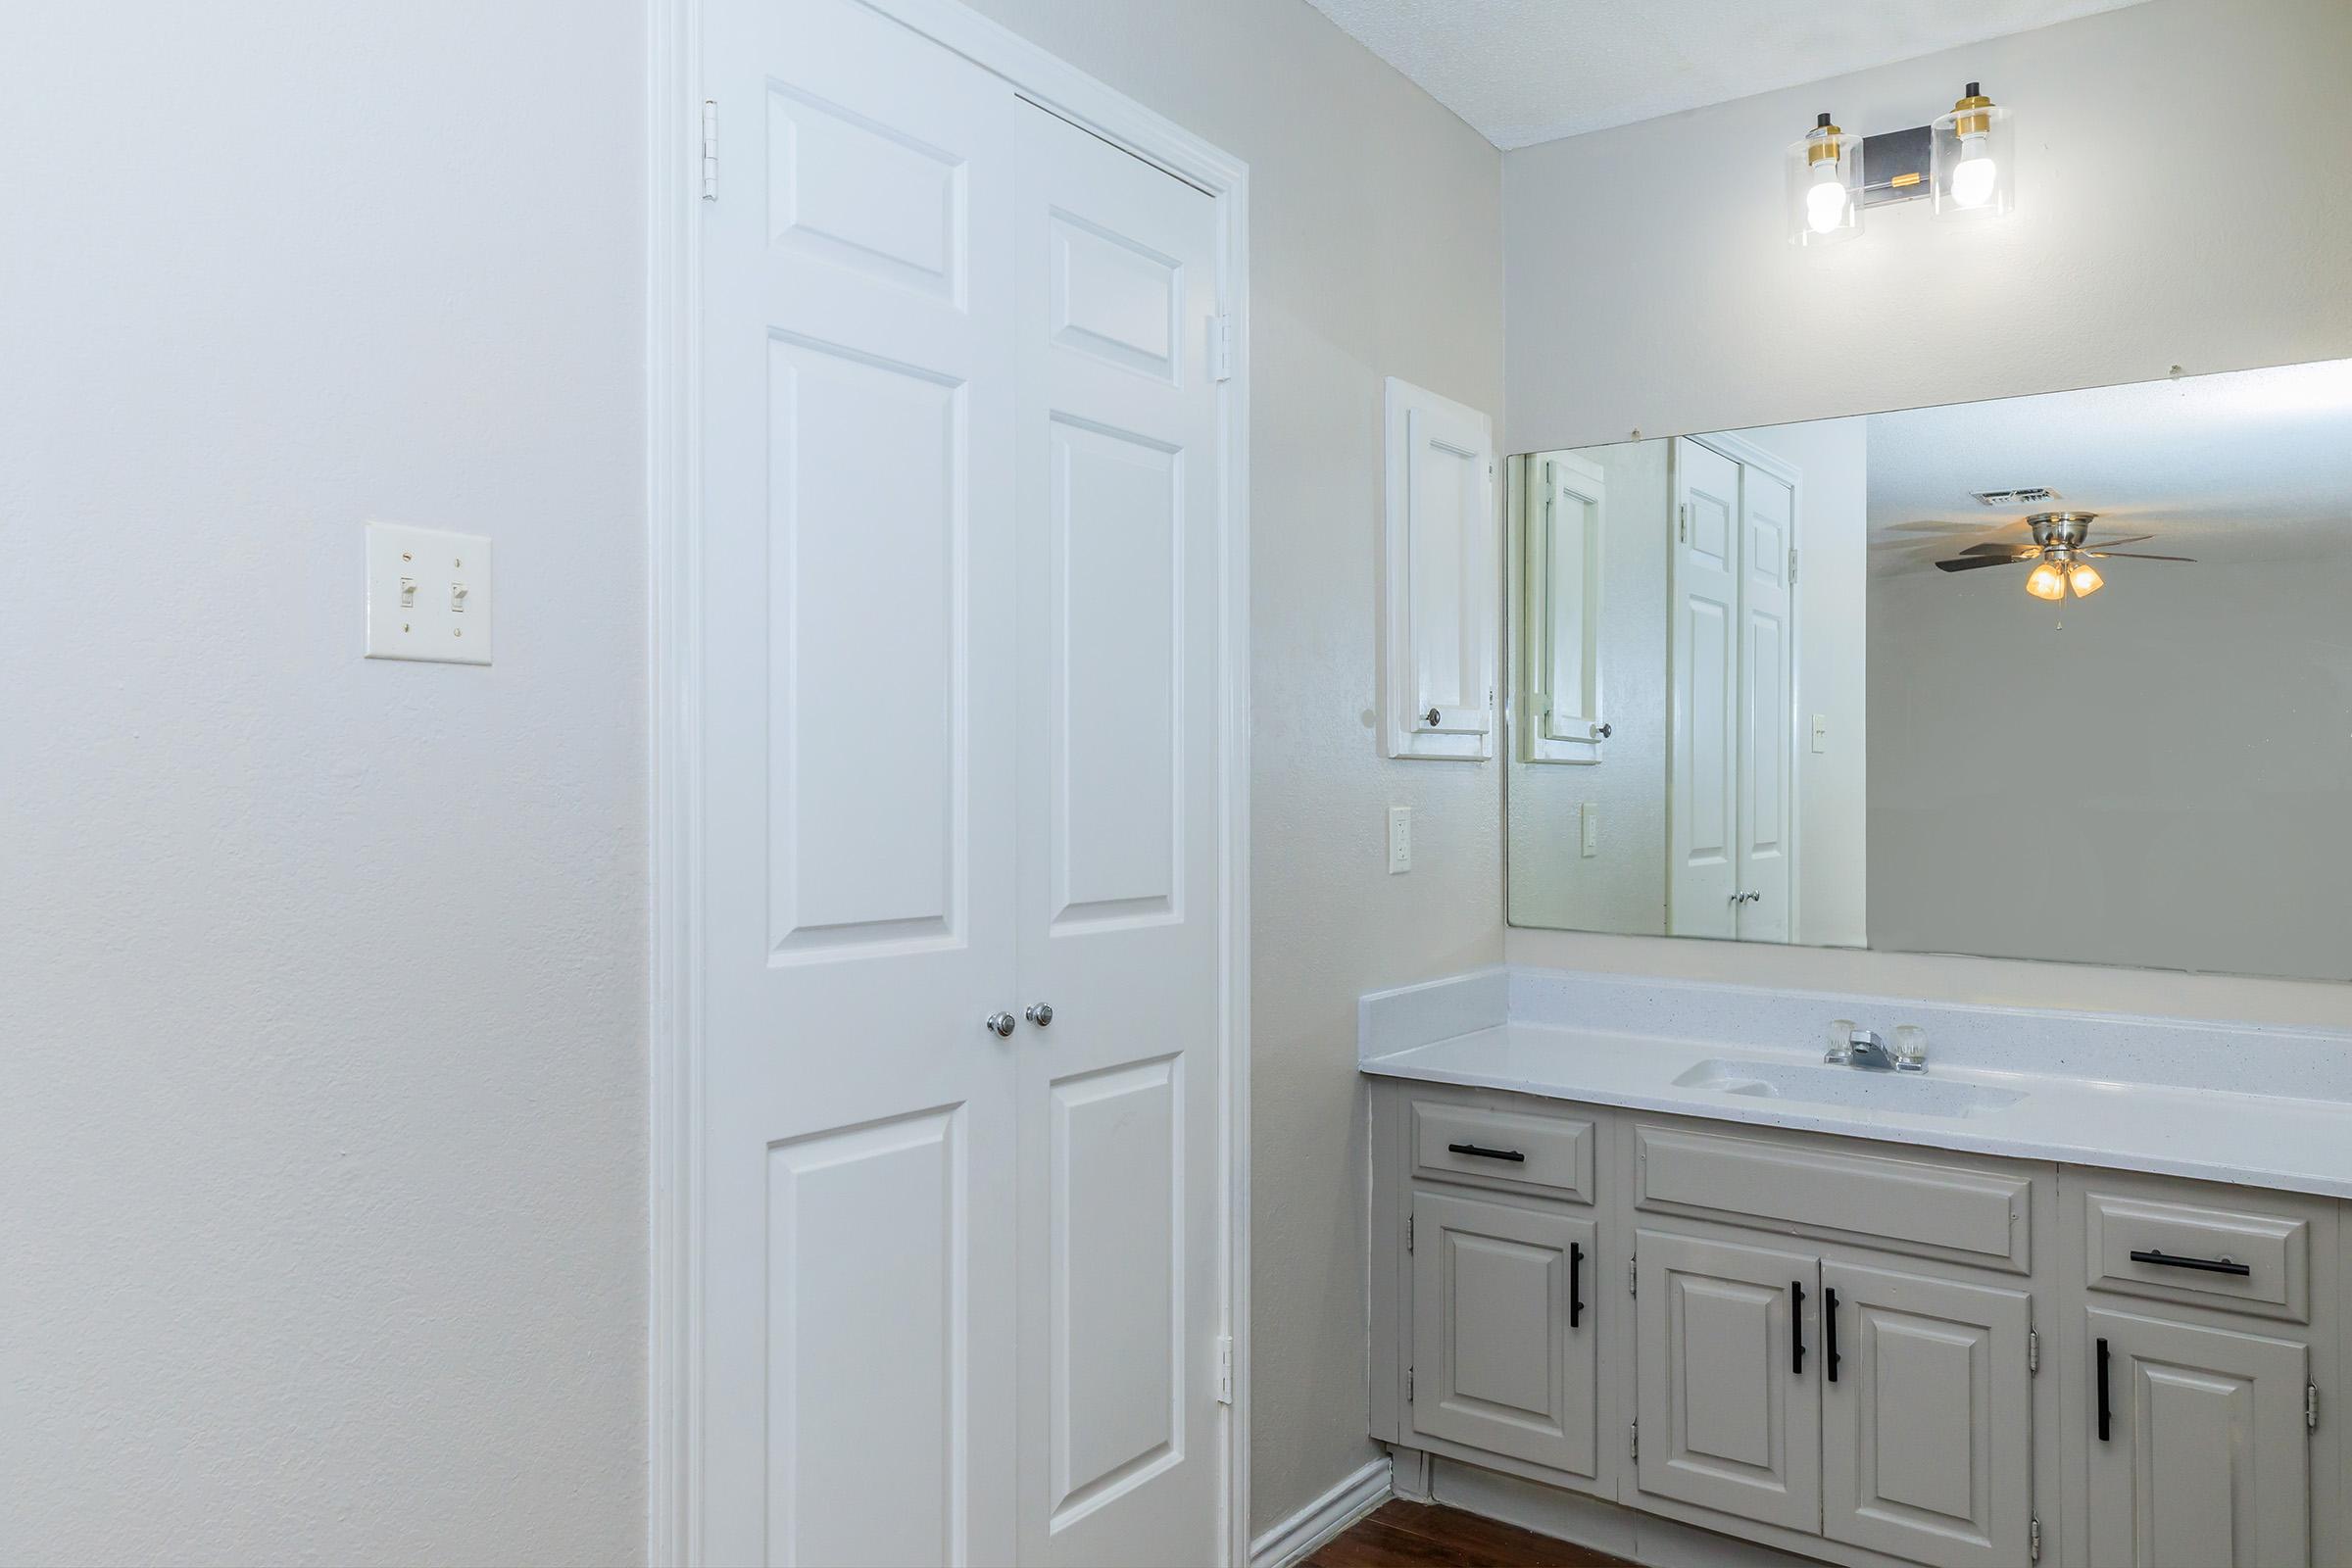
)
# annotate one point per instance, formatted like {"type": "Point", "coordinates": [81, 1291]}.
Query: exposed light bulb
{"type": "Point", "coordinates": [1824, 198]}
{"type": "Point", "coordinates": [2085, 579]}
{"type": "Point", "coordinates": [1972, 179]}
{"type": "Point", "coordinates": [2047, 581]}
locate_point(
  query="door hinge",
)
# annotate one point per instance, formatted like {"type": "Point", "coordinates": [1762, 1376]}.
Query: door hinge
{"type": "Point", "coordinates": [1682, 530]}
{"type": "Point", "coordinates": [1408, 1233]}
{"type": "Point", "coordinates": [1221, 349]}
{"type": "Point", "coordinates": [1409, 1385]}
{"type": "Point", "coordinates": [1632, 1441]}
{"type": "Point", "coordinates": [1792, 566]}
{"type": "Point", "coordinates": [1224, 1369]}
{"type": "Point", "coordinates": [2034, 1540]}
{"type": "Point", "coordinates": [709, 148]}
{"type": "Point", "coordinates": [1633, 1275]}
{"type": "Point", "coordinates": [2311, 1406]}
{"type": "Point", "coordinates": [2033, 1350]}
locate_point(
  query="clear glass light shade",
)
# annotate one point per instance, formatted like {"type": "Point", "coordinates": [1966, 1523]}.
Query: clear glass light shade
{"type": "Point", "coordinates": [2084, 579]}
{"type": "Point", "coordinates": [1973, 162]}
{"type": "Point", "coordinates": [2047, 581]}
{"type": "Point", "coordinates": [1824, 188]}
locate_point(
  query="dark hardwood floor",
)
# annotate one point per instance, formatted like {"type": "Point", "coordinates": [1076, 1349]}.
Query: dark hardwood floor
{"type": "Point", "coordinates": [1424, 1534]}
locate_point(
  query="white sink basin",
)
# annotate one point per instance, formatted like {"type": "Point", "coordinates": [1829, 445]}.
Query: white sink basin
{"type": "Point", "coordinates": [1918, 1094]}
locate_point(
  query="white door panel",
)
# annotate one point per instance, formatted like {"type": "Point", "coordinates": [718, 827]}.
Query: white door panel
{"type": "Point", "coordinates": [1119, 902]}
{"type": "Point", "coordinates": [1767, 708]}
{"type": "Point", "coordinates": [857, 557]}
{"type": "Point", "coordinates": [1703, 812]}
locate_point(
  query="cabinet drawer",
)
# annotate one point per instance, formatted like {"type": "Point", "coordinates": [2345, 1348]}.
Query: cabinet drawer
{"type": "Point", "coordinates": [2247, 1260]}
{"type": "Point", "coordinates": [1974, 1216]}
{"type": "Point", "coordinates": [1547, 1154]}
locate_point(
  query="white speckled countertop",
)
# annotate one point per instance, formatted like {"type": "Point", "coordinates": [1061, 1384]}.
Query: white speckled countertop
{"type": "Point", "coordinates": [2170, 1116]}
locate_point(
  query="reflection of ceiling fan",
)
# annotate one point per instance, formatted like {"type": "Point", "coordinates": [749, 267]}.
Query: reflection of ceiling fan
{"type": "Point", "coordinates": [2059, 554]}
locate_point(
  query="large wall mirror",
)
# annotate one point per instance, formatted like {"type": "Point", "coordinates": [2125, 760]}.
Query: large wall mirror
{"type": "Point", "coordinates": [2063, 677]}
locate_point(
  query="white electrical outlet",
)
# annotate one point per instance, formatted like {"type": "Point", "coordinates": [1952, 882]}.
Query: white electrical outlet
{"type": "Point", "coordinates": [1400, 839]}
{"type": "Point", "coordinates": [429, 595]}
{"type": "Point", "coordinates": [1590, 831]}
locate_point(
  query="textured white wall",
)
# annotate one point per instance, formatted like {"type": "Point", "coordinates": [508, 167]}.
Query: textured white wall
{"type": "Point", "coordinates": [1375, 250]}
{"type": "Point", "coordinates": [322, 1138]}
{"type": "Point", "coordinates": [2141, 242]}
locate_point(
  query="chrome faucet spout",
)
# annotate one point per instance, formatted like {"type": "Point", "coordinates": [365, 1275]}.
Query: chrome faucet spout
{"type": "Point", "coordinates": [1865, 1048]}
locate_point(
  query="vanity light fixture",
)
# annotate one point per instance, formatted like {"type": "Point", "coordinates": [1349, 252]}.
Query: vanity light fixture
{"type": "Point", "coordinates": [1825, 185]}
{"type": "Point", "coordinates": [1972, 160]}
{"type": "Point", "coordinates": [1964, 161]}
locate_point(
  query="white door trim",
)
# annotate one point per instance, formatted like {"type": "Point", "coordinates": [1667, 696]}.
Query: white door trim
{"type": "Point", "coordinates": [673, 491]}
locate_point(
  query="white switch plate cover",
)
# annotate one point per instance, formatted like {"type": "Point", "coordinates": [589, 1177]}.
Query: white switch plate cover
{"type": "Point", "coordinates": [1821, 732]}
{"type": "Point", "coordinates": [429, 595]}
{"type": "Point", "coordinates": [1400, 839]}
{"type": "Point", "coordinates": [1588, 830]}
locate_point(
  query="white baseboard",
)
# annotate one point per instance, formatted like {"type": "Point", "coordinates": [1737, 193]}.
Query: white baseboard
{"type": "Point", "coordinates": [1353, 1497]}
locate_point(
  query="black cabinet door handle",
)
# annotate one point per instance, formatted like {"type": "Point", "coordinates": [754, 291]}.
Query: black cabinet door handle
{"type": "Point", "coordinates": [1511, 1154]}
{"type": "Point", "coordinates": [2104, 1420]}
{"type": "Point", "coordinates": [1829, 1331]}
{"type": "Point", "coordinates": [2208, 1266]}
{"type": "Point", "coordinates": [1576, 1283]}
{"type": "Point", "coordinates": [1797, 1327]}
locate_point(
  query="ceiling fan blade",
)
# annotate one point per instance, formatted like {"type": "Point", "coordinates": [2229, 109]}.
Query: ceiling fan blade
{"type": "Point", "coordinates": [2014, 552]}
{"type": "Point", "coordinates": [2127, 539]}
{"type": "Point", "coordinates": [1972, 562]}
{"type": "Point", "coordinates": [2134, 554]}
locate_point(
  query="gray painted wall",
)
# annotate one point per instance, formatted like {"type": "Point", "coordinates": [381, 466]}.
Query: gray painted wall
{"type": "Point", "coordinates": [322, 1141]}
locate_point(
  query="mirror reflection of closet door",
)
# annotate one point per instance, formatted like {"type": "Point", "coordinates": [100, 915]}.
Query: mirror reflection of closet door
{"type": "Point", "coordinates": [1730, 776]}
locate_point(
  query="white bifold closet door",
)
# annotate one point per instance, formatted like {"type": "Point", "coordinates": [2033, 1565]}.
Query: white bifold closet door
{"type": "Point", "coordinates": [961, 1294]}
{"type": "Point", "coordinates": [1730, 809]}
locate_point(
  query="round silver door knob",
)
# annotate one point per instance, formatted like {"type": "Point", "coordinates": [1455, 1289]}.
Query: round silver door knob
{"type": "Point", "coordinates": [1040, 1014]}
{"type": "Point", "coordinates": [999, 1024]}
{"type": "Point", "coordinates": [1604, 731]}
{"type": "Point", "coordinates": [1431, 717]}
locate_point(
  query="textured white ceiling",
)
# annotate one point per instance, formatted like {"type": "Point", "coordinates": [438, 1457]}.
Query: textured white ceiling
{"type": "Point", "coordinates": [1529, 71]}
{"type": "Point", "coordinates": [2256, 462]}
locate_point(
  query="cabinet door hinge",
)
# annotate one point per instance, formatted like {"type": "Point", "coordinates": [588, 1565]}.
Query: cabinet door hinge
{"type": "Point", "coordinates": [1408, 1233]}
{"type": "Point", "coordinates": [1632, 1441]}
{"type": "Point", "coordinates": [2311, 1406]}
{"type": "Point", "coordinates": [1792, 566]}
{"type": "Point", "coordinates": [2033, 1540]}
{"type": "Point", "coordinates": [1409, 1385]}
{"type": "Point", "coordinates": [1224, 1369]}
{"type": "Point", "coordinates": [2033, 1350]}
{"type": "Point", "coordinates": [1221, 349]}
{"type": "Point", "coordinates": [1682, 529]}
{"type": "Point", "coordinates": [709, 148]}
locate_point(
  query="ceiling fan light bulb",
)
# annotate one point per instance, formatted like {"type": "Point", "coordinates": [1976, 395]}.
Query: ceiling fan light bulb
{"type": "Point", "coordinates": [2085, 579]}
{"type": "Point", "coordinates": [2047, 583]}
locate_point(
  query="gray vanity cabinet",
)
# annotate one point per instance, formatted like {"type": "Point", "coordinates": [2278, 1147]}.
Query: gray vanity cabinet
{"type": "Point", "coordinates": [1730, 1419]}
{"type": "Point", "coordinates": [1505, 1343]}
{"type": "Point", "coordinates": [2203, 1457]}
{"type": "Point", "coordinates": [1927, 1415]}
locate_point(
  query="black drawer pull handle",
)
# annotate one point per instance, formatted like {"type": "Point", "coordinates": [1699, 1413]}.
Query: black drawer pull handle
{"type": "Point", "coordinates": [2208, 1266]}
{"type": "Point", "coordinates": [1797, 1327]}
{"type": "Point", "coordinates": [1576, 1283]}
{"type": "Point", "coordinates": [1511, 1154]}
{"type": "Point", "coordinates": [1829, 1330]}
{"type": "Point", "coordinates": [2103, 1412]}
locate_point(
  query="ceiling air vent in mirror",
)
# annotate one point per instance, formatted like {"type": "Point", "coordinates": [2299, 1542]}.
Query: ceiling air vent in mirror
{"type": "Point", "coordinates": [2031, 496]}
